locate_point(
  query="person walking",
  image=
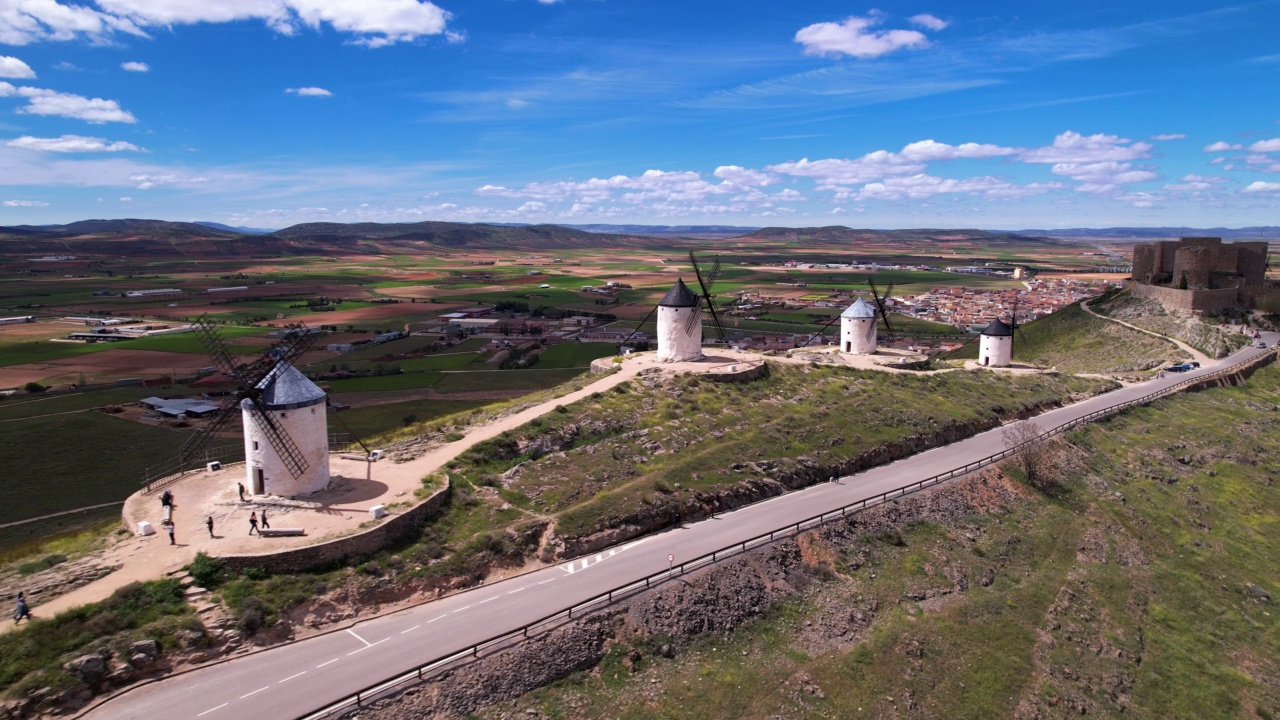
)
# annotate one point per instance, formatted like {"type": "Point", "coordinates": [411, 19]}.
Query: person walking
{"type": "Point", "coordinates": [208, 522]}
{"type": "Point", "coordinates": [241, 491]}
{"type": "Point", "coordinates": [253, 523]}
{"type": "Point", "coordinates": [169, 527]}
{"type": "Point", "coordinates": [265, 524]}
{"type": "Point", "coordinates": [22, 610]}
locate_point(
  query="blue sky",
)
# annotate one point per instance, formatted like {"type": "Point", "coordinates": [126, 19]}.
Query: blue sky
{"type": "Point", "coordinates": [268, 113]}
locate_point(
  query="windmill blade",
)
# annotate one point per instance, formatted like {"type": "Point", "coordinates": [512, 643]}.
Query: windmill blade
{"type": "Point", "coordinates": [694, 318]}
{"type": "Point", "coordinates": [871, 331]}
{"type": "Point", "coordinates": [715, 321]}
{"type": "Point", "coordinates": [875, 293]}
{"type": "Point", "coordinates": [637, 328]}
{"type": "Point", "coordinates": [705, 286]}
{"type": "Point", "coordinates": [697, 271]}
{"type": "Point", "coordinates": [359, 441]}
{"type": "Point", "coordinates": [200, 439]}
{"type": "Point", "coordinates": [821, 331]}
{"type": "Point", "coordinates": [213, 344]}
{"type": "Point", "coordinates": [714, 274]}
{"type": "Point", "coordinates": [284, 445]}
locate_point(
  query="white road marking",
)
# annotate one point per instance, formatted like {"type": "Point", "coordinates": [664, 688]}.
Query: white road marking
{"type": "Point", "coordinates": [255, 692]}
{"type": "Point", "coordinates": [495, 597]}
{"type": "Point", "coordinates": [415, 627]}
{"type": "Point", "coordinates": [304, 672]}
{"type": "Point", "coordinates": [366, 647]}
{"type": "Point", "coordinates": [327, 663]}
{"type": "Point", "coordinates": [206, 712]}
{"type": "Point", "coordinates": [544, 582]}
{"type": "Point", "coordinates": [598, 559]}
{"type": "Point", "coordinates": [354, 635]}
{"type": "Point", "coordinates": [464, 607]}
{"type": "Point", "coordinates": [435, 619]}
{"type": "Point", "coordinates": [513, 592]}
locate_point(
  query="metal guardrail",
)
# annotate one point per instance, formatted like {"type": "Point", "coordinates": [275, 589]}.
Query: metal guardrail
{"type": "Point", "coordinates": [422, 672]}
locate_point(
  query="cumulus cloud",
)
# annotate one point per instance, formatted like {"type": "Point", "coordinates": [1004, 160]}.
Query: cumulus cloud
{"type": "Point", "coordinates": [1221, 146]}
{"type": "Point", "coordinates": [72, 144]}
{"type": "Point", "coordinates": [309, 92]}
{"type": "Point", "coordinates": [132, 66]}
{"type": "Point", "coordinates": [744, 176]}
{"type": "Point", "coordinates": [1259, 186]}
{"type": "Point", "coordinates": [854, 38]}
{"type": "Point", "coordinates": [1170, 136]}
{"type": "Point", "coordinates": [922, 186]}
{"type": "Point", "coordinates": [928, 150]}
{"type": "Point", "coordinates": [1072, 147]}
{"type": "Point", "coordinates": [833, 172]}
{"type": "Point", "coordinates": [929, 22]}
{"type": "Point", "coordinates": [12, 67]}
{"type": "Point", "coordinates": [1196, 183]}
{"type": "Point", "coordinates": [25, 203]}
{"type": "Point", "coordinates": [49, 102]}
{"type": "Point", "coordinates": [1103, 173]}
{"type": "Point", "coordinates": [1265, 146]}
{"type": "Point", "coordinates": [376, 23]}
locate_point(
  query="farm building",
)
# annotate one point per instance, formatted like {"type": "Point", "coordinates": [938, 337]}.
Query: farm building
{"type": "Point", "coordinates": [17, 320]}
{"type": "Point", "coordinates": [180, 407]}
{"type": "Point", "coordinates": [158, 292]}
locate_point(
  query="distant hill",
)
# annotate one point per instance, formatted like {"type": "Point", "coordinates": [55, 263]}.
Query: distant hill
{"type": "Point", "coordinates": [839, 234]}
{"type": "Point", "coordinates": [234, 228]}
{"type": "Point", "coordinates": [454, 236]}
{"type": "Point", "coordinates": [692, 231]}
{"type": "Point", "coordinates": [128, 226]}
{"type": "Point", "coordinates": [1264, 232]}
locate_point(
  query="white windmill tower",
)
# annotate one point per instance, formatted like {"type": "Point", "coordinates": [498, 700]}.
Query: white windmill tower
{"type": "Point", "coordinates": [286, 435]}
{"type": "Point", "coordinates": [858, 329]}
{"type": "Point", "coordinates": [995, 347]}
{"type": "Point", "coordinates": [286, 439]}
{"type": "Point", "coordinates": [680, 325]}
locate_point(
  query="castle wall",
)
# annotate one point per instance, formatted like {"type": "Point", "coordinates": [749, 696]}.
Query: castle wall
{"type": "Point", "coordinates": [1189, 302]}
{"type": "Point", "coordinates": [1193, 263]}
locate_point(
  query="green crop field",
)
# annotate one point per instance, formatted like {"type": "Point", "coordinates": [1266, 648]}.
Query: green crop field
{"type": "Point", "coordinates": [511, 380]}
{"type": "Point", "coordinates": [574, 355]}
{"type": "Point", "coordinates": [367, 422]}
{"type": "Point", "coordinates": [403, 381]}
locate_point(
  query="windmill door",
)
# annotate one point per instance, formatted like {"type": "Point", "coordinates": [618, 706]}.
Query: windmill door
{"type": "Point", "coordinates": [259, 482]}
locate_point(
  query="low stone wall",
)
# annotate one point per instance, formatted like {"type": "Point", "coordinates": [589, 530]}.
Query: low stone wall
{"type": "Point", "coordinates": [396, 528]}
{"type": "Point", "coordinates": [1188, 302]}
{"type": "Point", "coordinates": [740, 372]}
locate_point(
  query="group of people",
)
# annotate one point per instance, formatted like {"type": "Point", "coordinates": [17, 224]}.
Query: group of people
{"type": "Point", "coordinates": [167, 505]}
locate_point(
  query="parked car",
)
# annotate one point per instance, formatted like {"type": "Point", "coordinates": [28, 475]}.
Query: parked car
{"type": "Point", "coordinates": [1178, 368]}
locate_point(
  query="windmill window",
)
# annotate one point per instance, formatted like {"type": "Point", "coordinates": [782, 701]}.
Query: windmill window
{"type": "Point", "coordinates": [284, 415]}
{"type": "Point", "coordinates": [255, 444]}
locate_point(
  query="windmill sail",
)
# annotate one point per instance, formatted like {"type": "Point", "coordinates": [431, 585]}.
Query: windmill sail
{"type": "Point", "coordinates": [704, 284]}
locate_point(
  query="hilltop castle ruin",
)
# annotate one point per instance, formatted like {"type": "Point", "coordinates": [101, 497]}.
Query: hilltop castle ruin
{"type": "Point", "coordinates": [1197, 275]}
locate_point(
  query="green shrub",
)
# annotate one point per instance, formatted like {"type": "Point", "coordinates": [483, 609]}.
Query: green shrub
{"type": "Point", "coordinates": [43, 563]}
{"type": "Point", "coordinates": [253, 616]}
{"type": "Point", "coordinates": [208, 572]}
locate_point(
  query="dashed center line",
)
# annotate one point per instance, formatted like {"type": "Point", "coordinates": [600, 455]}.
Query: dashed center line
{"type": "Point", "coordinates": [513, 592]}
{"type": "Point", "coordinates": [495, 597]}
{"type": "Point", "coordinates": [327, 663]}
{"type": "Point", "coordinates": [415, 627]}
{"type": "Point", "coordinates": [435, 619]}
{"type": "Point", "coordinates": [544, 582]}
{"type": "Point", "coordinates": [304, 672]}
{"type": "Point", "coordinates": [255, 692]}
{"type": "Point", "coordinates": [206, 712]}
{"type": "Point", "coordinates": [464, 607]}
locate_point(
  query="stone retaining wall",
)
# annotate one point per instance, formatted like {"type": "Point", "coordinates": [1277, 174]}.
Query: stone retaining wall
{"type": "Point", "coordinates": [396, 528]}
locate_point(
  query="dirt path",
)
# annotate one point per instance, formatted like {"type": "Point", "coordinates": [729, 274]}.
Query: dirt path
{"type": "Point", "coordinates": [1194, 353]}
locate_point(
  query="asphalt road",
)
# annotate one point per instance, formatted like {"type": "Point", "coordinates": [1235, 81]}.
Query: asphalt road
{"type": "Point", "coordinates": [298, 678]}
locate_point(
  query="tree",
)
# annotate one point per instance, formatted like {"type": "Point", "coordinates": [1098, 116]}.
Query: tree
{"type": "Point", "coordinates": [34, 387]}
{"type": "Point", "coordinates": [1035, 455]}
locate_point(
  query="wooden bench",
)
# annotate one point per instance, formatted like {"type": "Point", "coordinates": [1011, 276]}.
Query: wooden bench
{"type": "Point", "coordinates": [281, 532]}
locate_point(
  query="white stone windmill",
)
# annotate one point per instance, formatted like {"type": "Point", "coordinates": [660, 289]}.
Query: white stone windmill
{"type": "Point", "coordinates": [680, 325]}
{"type": "Point", "coordinates": [858, 329]}
{"type": "Point", "coordinates": [286, 438]}
{"type": "Point", "coordinates": [995, 347]}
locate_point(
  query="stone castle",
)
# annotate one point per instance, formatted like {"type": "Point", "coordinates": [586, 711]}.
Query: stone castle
{"type": "Point", "coordinates": [1197, 275]}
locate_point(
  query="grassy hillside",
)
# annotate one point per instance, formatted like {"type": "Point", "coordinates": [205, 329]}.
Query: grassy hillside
{"type": "Point", "coordinates": [1212, 339]}
{"type": "Point", "coordinates": [1142, 589]}
{"type": "Point", "coordinates": [1074, 341]}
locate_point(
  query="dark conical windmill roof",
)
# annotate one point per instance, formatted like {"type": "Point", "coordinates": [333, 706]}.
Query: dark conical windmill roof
{"type": "Point", "coordinates": [679, 296]}
{"type": "Point", "coordinates": [998, 328]}
{"type": "Point", "coordinates": [285, 388]}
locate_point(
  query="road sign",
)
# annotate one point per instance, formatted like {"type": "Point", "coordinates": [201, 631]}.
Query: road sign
{"type": "Point", "coordinates": [671, 558]}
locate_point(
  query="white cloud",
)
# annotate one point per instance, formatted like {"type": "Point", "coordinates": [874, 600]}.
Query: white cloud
{"type": "Point", "coordinates": [853, 38]}
{"type": "Point", "coordinates": [50, 102]}
{"type": "Point", "coordinates": [922, 186]}
{"type": "Point", "coordinates": [1099, 174]}
{"type": "Point", "coordinates": [1072, 147]}
{"type": "Point", "coordinates": [928, 150]}
{"type": "Point", "coordinates": [517, 103]}
{"type": "Point", "coordinates": [744, 176]}
{"type": "Point", "coordinates": [309, 92]}
{"type": "Point", "coordinates": [1170, 136]}
{"type": "Point", "coordinates": [25, 203]}
{"type": "Point", "coordinates": [831, 172]}
{"type": "Point", "coordinates": [1196, 183]}
{"type": "Point", "coordinates": [1221, 146]}
{"type": "Point", "coordinates": [12, 67]}
{"type": "Point", "coordinates": [454, 37]}
{"type": "Point", "coordinates": [126, 199]}
{"type": "Point", "coordinates": [1259, 186]}
{"type": "Point", "coordinates": [929, 22]}
{"type": "Point", "coordinates": [376, 23]}
{"type": "Point", "coordinates": [131, 66]}
{"type": "Point", "coordinates": [1265, 146]}
{"type": "Point", "coordinates": [72, 144]}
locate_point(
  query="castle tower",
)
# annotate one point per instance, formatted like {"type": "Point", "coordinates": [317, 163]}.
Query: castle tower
{"type": "Point", "coordinates": [679, 325]}
{"type": "Point", "coordinates": [858, 329]}
{"type": "Point", "coordinates": [995, 346]}
{"type": "Point", "coordinates": [297, 407]}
